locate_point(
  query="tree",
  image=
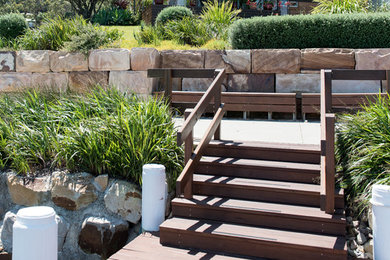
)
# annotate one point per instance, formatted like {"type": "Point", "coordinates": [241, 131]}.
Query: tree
{"type": "Point", "coordinates": [87, 8]}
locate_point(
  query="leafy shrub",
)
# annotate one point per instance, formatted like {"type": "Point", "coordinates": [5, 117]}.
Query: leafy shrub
{"type": "Point", "coordinates": [188, 30]}
{"type": "Point", "coordinates": [341, 6]}
{"type": "Point", "coordinates": [115, 16]}
{"type": "Point", "coordinates": [216, 45]}
{"type": "Point", "coordinates": [363, 150]}
{"type": "Point", "coordinates": [148, 35]}
{"type": "Point", "coordinates": [102, 132]}
{"type": "Point", "coordinates": [312, 31]}
{"type": "Point", "coordinates": [218, 17]}
{"type": "Point", "coordinates": [173, 13]}
{"type": "Point", "coordinates": [12, 25]}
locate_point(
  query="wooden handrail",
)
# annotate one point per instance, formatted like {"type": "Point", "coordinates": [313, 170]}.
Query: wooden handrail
{"type": "Point", "coordinates": [214, 91]}
{"type": "Point", "coordinates": [184, 182]}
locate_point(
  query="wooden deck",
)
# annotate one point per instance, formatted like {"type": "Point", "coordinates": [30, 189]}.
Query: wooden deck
{"type": "Point", "coordinates": [147, 247]}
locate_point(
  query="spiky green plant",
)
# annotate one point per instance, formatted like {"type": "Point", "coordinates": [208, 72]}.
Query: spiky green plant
{"type": "Point", "coordinates": [341, 6]}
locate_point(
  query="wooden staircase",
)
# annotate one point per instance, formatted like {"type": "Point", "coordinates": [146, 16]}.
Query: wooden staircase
{"type": "Point", "coordinates": [258, 200]}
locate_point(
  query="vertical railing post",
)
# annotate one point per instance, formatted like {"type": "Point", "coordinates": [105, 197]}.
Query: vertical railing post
{"type": "Point", "coordinates": [386, 86]}
{"type": "Point", "coordinates": [167, 81]}
{"type": "Point", "coordinates": [188, 146]}
{"type": "Point", "coordinates": [217, 104]}
{"type": "Point", "coordinates": [327, 144]}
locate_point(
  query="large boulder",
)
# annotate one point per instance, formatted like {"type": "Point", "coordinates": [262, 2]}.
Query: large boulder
{"type": "Point", "coordinates": [6, 231]}
{"type": "Point", "coordinates": [109, 59]}
{"type": "Point", "coordinates": [124, 199]}
{"type": "Point", "coordinates": [182, 59]}
{"type": "Point", "coordinates": [135, 82]}
{"type": "Point", "coordinates": [57, 82]}
{"type": "Point", "coordinates": [103, 236]}
{"type": "Point", "coordinates": [84, 81]}
{"type": "Point", "coordinates": [328, 58]}
{"type": "Point", "coordinates": [101, 182]}
{"type": "Point", "coordinates": [13, 81]}
{"type": "Point", "coordinates": [372, 59]}
{"type": "Point", "coordinates": [251, 83]}
{"type": "Point", "coordinates": [145, 58]}
{"type": "Point", "coordinates": [68, 61]}
{"type": "Point", "coordinates": [7, 61]}
{"type": "Point", "coordinates": [233, 61]}
{"type": "Point", "coordinates": [28, 192]}
{"type": "Point", "coordinates": [276, 61]}
{"type": "Point", "coordinates": [33, 61]}
{"type": "Point", "coordinates": [73, 191]}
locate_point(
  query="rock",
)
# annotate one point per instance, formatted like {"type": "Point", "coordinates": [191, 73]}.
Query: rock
{"type": "Point", "coordinates": [101, 182]}
{"type": "Point", "coordinates": [361, 238]}
{"type": "Point", "coordinates": [63, 228]}
{"type": "Point", "coordinates": [368, 256]}
{"type": "Point", "coordinates": [132, 82]}
{"type": "Point", "coordinates": [28, 192]}
{"type": "Point", "coordinates": [5, 200]}
{"type": "Point", "coordinates": [57, 82]}
{"type": "Point", "coordinates": [233, 61]}
{"type": "Point", "coordinates": [84, 81]}
{"type": "Point", "coordinates": [109, 59]}
{"type": "Point", "coordinates": [73, 191]}
{"type": "Point", "coordinates": [251, 83]}
{"type": "Point", "coordinates": [353, 245]}
{"type": "Point", "coordinates": [33, 61]}
{"type": "Point", "coordinates": [369, 217]}
{"type": "Point", "coordinates": [276, 61]}
{"type": "Point", "coordinates": [6, 231]}
{"type": "Point", "coordinates": [372, 59]}
{"type": "Point", "coordinates": [68, 61]}
{"type": "Point", "coordinates": [353, 253]}
{"type": "Point", "coordinates": [190, 84]}
{"type": "Point", "coordinates": [182, 59]}
{"type": "Point", "coordinates": [369, 246]}
{"type": "Point", "coordinates": [145, 58]}
{"type": "Point", "coordinates": [327, 58]}
{"type": "Point", "coordinates": [293, 83]}
{"type": "Point", "coordinates": [355, 223]}
{"type": "Point", "coordinates": [7, 61]}
{"type": "Point", "coordinates": [12, 81]}
{"type": "Point", "coordinates": [103, 236]}
{"type": "Point", "coordinates": [124, 198]}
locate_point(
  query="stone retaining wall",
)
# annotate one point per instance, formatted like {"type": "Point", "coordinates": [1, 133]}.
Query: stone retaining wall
{"type": "Point", "coordinates": [268, 70]}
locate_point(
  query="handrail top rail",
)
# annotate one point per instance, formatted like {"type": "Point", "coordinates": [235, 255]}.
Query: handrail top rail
{"type": "Point", "coordinates": [345, 74]}
{"type": "Point", "coordinates": [182, 73]}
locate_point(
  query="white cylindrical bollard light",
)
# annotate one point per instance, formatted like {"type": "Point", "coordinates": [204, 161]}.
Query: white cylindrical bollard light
{"type": "Point", "coordinates": [35, 233]}
{"type": "Point", "coordinates": [154, 194]}
{"type": "Point", "coordinates": [381, 226]}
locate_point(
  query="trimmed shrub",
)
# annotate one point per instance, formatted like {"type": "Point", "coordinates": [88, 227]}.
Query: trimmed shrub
{"type": "Point", "coordinates": [363, 151]}
{"type": "Point", "coordinates": [12, 25]}
{"type": "Point", "coordinates": [312, 31]}
{"type": "Point", "coordinates": [173, 13]}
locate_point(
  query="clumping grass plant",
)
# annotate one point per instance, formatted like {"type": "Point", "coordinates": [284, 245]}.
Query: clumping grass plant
{"type": "Point", "coordinates": [101, 132]}
{"type": "Point", "coordinates": [363, 151]}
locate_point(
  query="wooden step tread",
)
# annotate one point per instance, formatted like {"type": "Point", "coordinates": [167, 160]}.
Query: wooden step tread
{"type": "Point", "coordinates": [303, 212]}
{"type": "Point", "coordinates": [333, 243]}
{"type": "Point", "coordinates": [267, 145]}
{"type": "Point", "coordinates": [261, 163]}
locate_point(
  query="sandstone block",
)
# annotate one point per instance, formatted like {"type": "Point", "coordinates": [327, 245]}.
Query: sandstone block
{"type": "Point", "coordinates": [109, 59]}
{"type": "Point", "coordinates": [84, 81]}
{"type": "Point", "coordinates": [101, 182]}
{"type": "Point", "coordinates": [124, 198]}
{"type": "Point", "coordinates": [7, 61]}
{"type": "Point", "coordinates": [33, 61]}
{"type": "Point", "coordinates": [103, 236]}
{"type": "Point", "coordinates": [132, 82]}
{"type": "Point", "coordinates": [251, 83]}
{"type": "Point", "coordinates": [328, 58]}
{"type": "Point", "coordinates": [73, 191]}
{"type": "Point", "coordinates": [276, 61]}
{"type": "Point", "coordinates": [356, 86]}
{"type": "Point", "coordinates": [372, 59]}
{"type": "Point", "coordinates": [182, 59]}
{"type": "Point", "coordinates": [68, 61]}
{"type": "Point", "coordinates": [12, 81]}
{"type": "Point", "coordinates": [6, 231]}
{"type": "Point", "coordinates": [28, 192]}
{"type": "Point", "coordinates": [54, 81]}
{"type": "Point", "coordinates": [144, 58]}
{"type": "Point", "coordinates": [190, 84]}
{"type": "Point", "coordinates": [233, 61]}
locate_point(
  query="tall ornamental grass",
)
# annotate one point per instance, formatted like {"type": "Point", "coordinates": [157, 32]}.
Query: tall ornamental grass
{"type": "Point", "coordinates": [102, 132]}
{"type": "Point", "coordinates": [363, 150]}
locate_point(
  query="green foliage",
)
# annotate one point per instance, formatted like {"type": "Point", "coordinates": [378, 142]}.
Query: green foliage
{"type": "Point", "coordinates": [341, 6]}
{"type": "Point", "coordinates": [148, 35]}
{"type": "Point", "coordinates": [173, 13]}
{"type": "Point", "coordinates": [102, 132]}
{"type": "Point", "coordinates": [218, 17]}
{"type": "Point", "coordinates": [115, 16]}
{"type": "Point", "coordinates": [363, 150]}
{"type": "Point", "coordinates": [12, 25]}
{"type": "Point", "coordinates": [188, 30]}
{"type": "Point", "coordinates": [312, 31]}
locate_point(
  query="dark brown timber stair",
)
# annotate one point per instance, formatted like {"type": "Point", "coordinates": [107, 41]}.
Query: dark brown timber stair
{"type": "Point", "coordinates": [258, 200]}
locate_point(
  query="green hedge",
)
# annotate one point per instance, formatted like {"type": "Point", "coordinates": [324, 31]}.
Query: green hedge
{"type": "Point", "coordinates": [312, 31]}
{"type": "Point", "coordinates": [12, 25]}
{"type": "Point", "coordinates": [173, 13]}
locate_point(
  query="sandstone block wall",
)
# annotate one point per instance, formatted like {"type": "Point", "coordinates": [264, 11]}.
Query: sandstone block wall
{"type": "Point", "coordinates": [268, 70]}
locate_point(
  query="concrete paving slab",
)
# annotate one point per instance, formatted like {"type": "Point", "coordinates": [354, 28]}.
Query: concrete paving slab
{"type": "Point", "coordinates": [261, 130]}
